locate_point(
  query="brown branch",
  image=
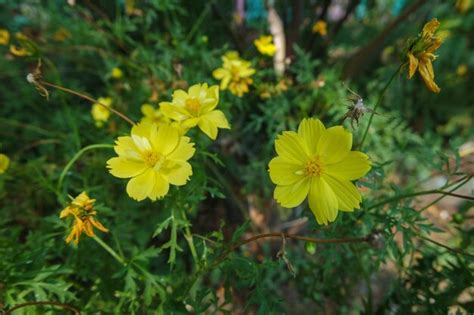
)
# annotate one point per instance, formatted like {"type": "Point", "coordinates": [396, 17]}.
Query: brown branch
{"type": "Point", "coordinates": [366, 238]}
{"type": "Point", "coordinates": [64, 306]}
{"type": "Point", "coordinates": [454, 250]}
{"type": "Point", "coordinates": [90, 99]}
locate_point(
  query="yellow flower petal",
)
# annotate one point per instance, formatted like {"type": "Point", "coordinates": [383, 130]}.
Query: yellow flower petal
{"type": "Point", "coordinates": [211, 121]}
{"type": "Point", "coordinates": [427, 74]}
{"type": "Point", "coordinates": [311, 129]}
{"type": "Point", "coordinates": [140, 187]}
{"type": "Point", "coordinates": [290, 196]}
{"type": "Point", "coordinates": [353, 166]}
{"type": "Point", "coordinates": [322, 201]}
{"type": "Point", "coordinates": [292, 147]}
{"type": "Point", "coordinates": [178, 173]}
{"type": "Point", "coordinates": [335, 144]}
{"type": "Point", "coordinates": [4, 163]}
{"type": "Point", "coordinates": [184, 151]}
{"type": "Point", "coordinates": [166, 140]}
{"type": "Point", "coordinates": [284, 172]}
{"type": "Point", "coordinates": [160, 188]}
{"type": "Point", "coordinates": [348, 197]}
{"type": "Point", "coordinates": [412, 65]}
{"type": "Point", "coordinates": [124, 168]}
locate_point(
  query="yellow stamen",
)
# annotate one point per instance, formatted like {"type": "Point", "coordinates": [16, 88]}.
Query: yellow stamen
{"type": "Point", "coordinates": [193, 106]}
{"type": "Point", "coordinates": [151, 158]}
{"type": "Point", "coordinates": [314, 166]}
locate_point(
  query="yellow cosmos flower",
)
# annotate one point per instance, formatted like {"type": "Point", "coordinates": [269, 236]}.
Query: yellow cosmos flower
{"type": "Point", "coordinates": [320, 27]}
{"type": "Point", "coordinates": [153, 157]}
{"type": "Point", "coordinates": [116, 73]}
{"type": "Point", "coordinates": [197, 108]}
{"type": "Point", "coordinates": [153, 115]}
{"type": "Point", "coordinates": [4, 163]}
{"type": "Point", "coordinates": [235, 74]}
{"type": "Point", "coordinates": [83, 212]}
{"type": "Point", "coordinates": [100, 113]}
{"type": "Point", "coordinates": [318, 163]}
{"type": "Point", "coordinates": [420, 55]}
{"type": "Point", "coordinates": [265, 45]}
{"type": "Point", "coordinates": [4, 37]}
{"type": "Point", "coordinates": [26, 47]}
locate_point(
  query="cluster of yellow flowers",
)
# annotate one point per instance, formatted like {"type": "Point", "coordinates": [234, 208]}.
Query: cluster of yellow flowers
{"type": "Point", "coordinates": [420, 54]}
{"type": "Point", "coordinates": [235, 74]}
{"type": "Point", "coordinates": [315, 162]}
{"type": "Point", "coordinates": [24, 48]}
{"type": "Point", "coordinates": [81, 209]}
{"type": "Point", "coordinates": [156, 153]}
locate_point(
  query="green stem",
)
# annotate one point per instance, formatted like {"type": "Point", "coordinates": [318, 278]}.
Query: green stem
{"type": "Point", "coordinates": [199, 21]}
{"type": "Point", "coordinates": [189, 239]}
{"type": "Point", "coordinates": [76, 157]}
{"type": "Point", "coordinates": [109, 250]}
{"type": "Point", "coordinates": [379, 100]}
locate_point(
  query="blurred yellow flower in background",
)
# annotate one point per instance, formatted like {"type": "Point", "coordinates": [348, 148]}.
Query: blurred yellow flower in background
{"type": "Point", "coordinates": [4, 163]}
{"type": "Point", "coordinates": [153, 115]}
{"type": "Point", "coordinates": [318, 163]}
{"type": "Point", "coordinates": [420, 55]}
{"type": "Point", "coordinates": [83, 212]}
{"type": "Point", "coordinates": [116, 73]}
{"type": "Point", "coordinates": [4, 37]}
{"type": "Point", "coordinates": [153, 158]}
{"type": "Point", "coordinates": [265, 45]}
{"type": "Point", "coordinates": [197, 108]}
{"type": "Point", "coordinates": [320, 27]}
{"type": "Point", "coordinates": [26, 47]}
{"type": "Point", "coordinates": [99, 112]}
{"type": "Point", "coordinates": [461, 70]}
{"type": "Point", "coordinates": [235, 74]}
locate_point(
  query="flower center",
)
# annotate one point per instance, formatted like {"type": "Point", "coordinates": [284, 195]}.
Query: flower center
{"type": "Point", "coordinates": [151, 158]}
{"type": "Point", "coordinates": [193, 106]}
{"type": "Point", "coordinates": [235, 72]}
{"type": "Point", "coordinates": [314, 166]}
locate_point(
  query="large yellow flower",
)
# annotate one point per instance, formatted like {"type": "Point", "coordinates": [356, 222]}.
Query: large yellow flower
{"type": "Point", "coordinates": [4, 163]}
{"type": "Point", "coordinates": [318, 163]}
{"type": "Point", "coordinates": [421, 55]}
{"type": "Point", "coordinates": [197, 108]}
{"type": "Point", "coordinates": [235, 74]}
{"type": "Point", "coordinates": [83, 212]}
{"type": "Point", "coordinates": [265, 45]}
{"type": "Point", "coordinates": [100, 112]}
{"type": "Point", "coordinates": [153, 157]}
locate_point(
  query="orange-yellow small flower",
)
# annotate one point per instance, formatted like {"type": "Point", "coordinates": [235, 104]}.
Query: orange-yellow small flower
{"type": "Point", "coordinates": [26, 47]}
{"type": "Point", "coordinates": [83, 212]}
{"type": "Point", "coordinates": [317, 163]}
{"type": "Point", "coordinates": [420, 55]}
{"type": "Point", "coordinates": [197, 108]}
{"type": "Point", "coordinates": [4, 163]}
{"type": "Point", "coordinates": [100, 112]}
{"type": "Point", "coordinates": [265, 45]}
{"type": "Point", "coordinates": [235, 74]}
{"type": "Point", "coordinates": [153, 158]}
{"type": "Point", "coordinates": [4, 37]}
{"type": "Point", "coordinates": [320, 27]}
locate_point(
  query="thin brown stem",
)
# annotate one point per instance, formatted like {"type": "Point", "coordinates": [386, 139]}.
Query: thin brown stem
{"type": "Point", "coordinates": [454, 250]}
{"type": "Point", "coordinates": [90, 99]}
{"type": "Point", "coordinates": [292, 236]}
{"type": "Point", "coordinates": [64, 306]}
